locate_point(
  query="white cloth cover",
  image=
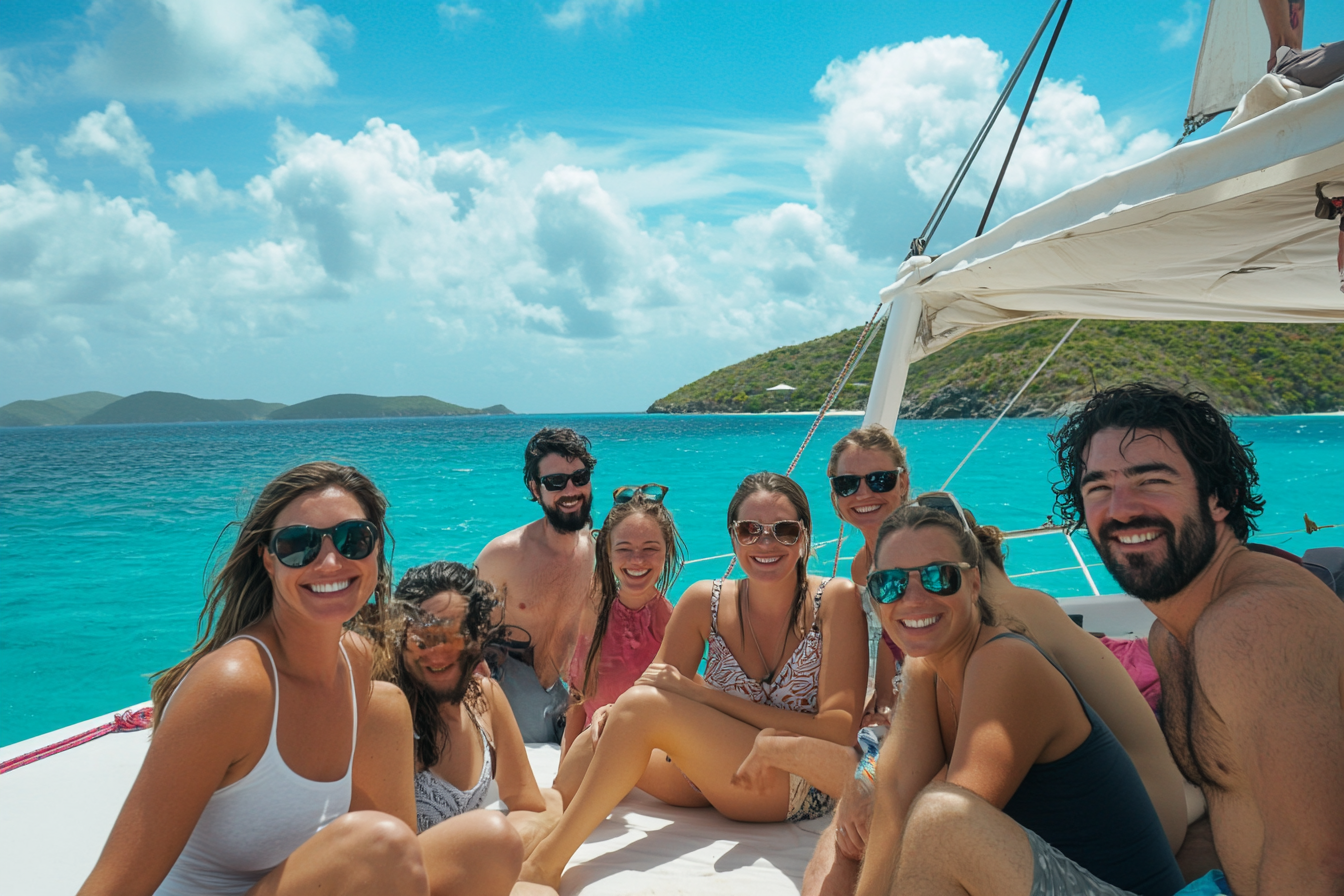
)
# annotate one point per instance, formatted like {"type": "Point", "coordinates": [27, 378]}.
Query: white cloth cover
{"type": "Point", "coordinates": [1215, 229]}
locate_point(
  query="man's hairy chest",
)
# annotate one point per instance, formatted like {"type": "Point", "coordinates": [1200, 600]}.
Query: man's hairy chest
{"type": "Point", "coordinates": [1199, 740]}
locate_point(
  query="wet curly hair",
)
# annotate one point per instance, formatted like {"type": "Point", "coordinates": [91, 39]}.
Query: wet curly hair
{"type": "Point", "coordinates": [1224, 466]}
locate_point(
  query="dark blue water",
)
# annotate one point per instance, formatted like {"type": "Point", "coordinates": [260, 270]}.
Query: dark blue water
{"type": "Point", "coordinates": [107, 532]}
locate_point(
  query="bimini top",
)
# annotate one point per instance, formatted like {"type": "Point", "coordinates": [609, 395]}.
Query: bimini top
{"type": "Point", "coordinates": [1218, 229]}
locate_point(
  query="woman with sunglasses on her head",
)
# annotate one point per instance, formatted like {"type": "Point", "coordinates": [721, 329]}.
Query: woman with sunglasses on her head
{"type": "Point", "coordinates": [1022, 765]}
{"type": "Point", "coordinates": [276, 765]}
{"type": "Point", "coordinates": [638, 558]}
{"type": "Point", "coordinates": [786, 650]}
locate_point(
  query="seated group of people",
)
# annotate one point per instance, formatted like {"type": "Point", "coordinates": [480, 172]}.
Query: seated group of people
{"type": "Point", "coordinates": [1004, 749]}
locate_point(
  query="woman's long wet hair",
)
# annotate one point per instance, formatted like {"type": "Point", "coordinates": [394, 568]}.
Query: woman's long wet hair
{"type": "Point", "coordinates": [776, 484]}
{"type": "Point", "coordinates": [605, 586]}
{"type": "Point", "coordinates": [480, 629]}
{"type": "Point", "coordinates": [242, 593]}
{"type": "Point", "coordinates": [914, 517]}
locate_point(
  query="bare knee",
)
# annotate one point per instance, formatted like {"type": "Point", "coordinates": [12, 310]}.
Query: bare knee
{"type": "Point", "coordinates": [639, 705]}
{"type": "Point", "coordinates": [479, 852]}
{"type": "Point", "coordinates": [940, 815]}
{"type": "Point", "coordinates": [379, 846]}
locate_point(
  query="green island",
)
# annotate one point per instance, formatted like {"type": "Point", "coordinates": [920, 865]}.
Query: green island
{"type": "Point", "coordinates": [1246, 369]}
{"type": "Point", "coordinates": [88, 408]}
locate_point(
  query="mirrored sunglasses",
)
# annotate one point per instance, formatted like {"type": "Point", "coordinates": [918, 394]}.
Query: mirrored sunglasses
{"type": "Point", "coordinates": [785, 531]}
{"type": "Point", "coordinates": [886, 586]}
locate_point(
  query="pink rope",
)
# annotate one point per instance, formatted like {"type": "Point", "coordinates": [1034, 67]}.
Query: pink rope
{"type": "Point", "coordinates": [130, 720]}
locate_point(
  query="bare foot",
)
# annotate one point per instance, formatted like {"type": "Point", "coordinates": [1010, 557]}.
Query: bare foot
{"type": "Point", "coordinates": [533, 872]}
{"type": "Point", "coordinates": [752, 772]}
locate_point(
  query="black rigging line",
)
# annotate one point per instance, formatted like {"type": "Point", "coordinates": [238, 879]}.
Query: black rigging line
{"type": "Point", "coordinates": [921, 242]}
{"type": "Point", "coordinates": [1022, 119]}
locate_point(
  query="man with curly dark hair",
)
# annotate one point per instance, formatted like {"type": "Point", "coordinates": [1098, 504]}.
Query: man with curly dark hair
{"type": "Point", "coordinates": [543, 572]}
{"type": "Point", "coordinates": [1249, 646]}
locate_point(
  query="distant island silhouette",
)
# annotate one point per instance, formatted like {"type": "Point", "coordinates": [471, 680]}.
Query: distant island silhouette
{"type": "Point", "coordinates": [89, 408]}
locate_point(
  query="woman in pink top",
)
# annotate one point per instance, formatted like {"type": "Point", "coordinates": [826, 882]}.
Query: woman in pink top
{"type": "Point", "coordinates": [638, 558]}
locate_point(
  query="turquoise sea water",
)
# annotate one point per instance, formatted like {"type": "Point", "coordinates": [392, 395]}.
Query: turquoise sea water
{"type": "Point", "coordinates": [106, 532]}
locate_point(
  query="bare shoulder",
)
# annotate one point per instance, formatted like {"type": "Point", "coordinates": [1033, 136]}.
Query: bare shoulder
{"type": "Point", "coordinates": [502, 550]}
{"type": "Point", "coordinates": [839, 592]}
{"type": "Point", "coordinates": [1001, 658]}
{"type": "Point", "coordinates": [387, 703]}
{"type": "Point", "coordinates": [1035, 608]}
{"type": "Point", "coordinates": [1272, 617]}
{"type": "Point", "coordinates": [228, 690]}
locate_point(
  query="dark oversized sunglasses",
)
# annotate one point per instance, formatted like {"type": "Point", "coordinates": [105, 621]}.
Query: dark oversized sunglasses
{"type": "Point", "coordinates": [554, 482]}
{"type": "Point", "coordinates": [649, 491]}
{"type": "Point", "coordinates": [880, 481]}
{"type": "Point", "coordinates": [784, 532]}
{"type": "Point", "coordinates": [886, 586]}
{"type": "Point", "coordinates": [297, 546]}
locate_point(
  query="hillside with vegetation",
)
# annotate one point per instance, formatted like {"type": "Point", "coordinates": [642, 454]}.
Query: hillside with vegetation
{"type": "Point", "coordinates": [344, 407]}
{"type": "Point", "coordinates": [175, 407]}
{"type": "Point", "coordinates": [1247, 369]}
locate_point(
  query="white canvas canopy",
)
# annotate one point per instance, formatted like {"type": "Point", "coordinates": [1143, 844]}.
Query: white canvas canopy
{"type": "Point", "coordinates": [1232, 57]}
{"type": "Point", "coordinates": [1216, 229]}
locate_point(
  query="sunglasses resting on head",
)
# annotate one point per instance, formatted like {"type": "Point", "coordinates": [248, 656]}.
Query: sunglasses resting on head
{"type": "Point", "coordinates": [649, 491]}
{"type": "Point", "coordinates": [297, 546]}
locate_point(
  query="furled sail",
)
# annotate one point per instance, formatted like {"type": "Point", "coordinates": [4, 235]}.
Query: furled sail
{"type": "Point", "coordinates": [1232, 57]}
{"type": "Point", "coordinates": [1218, 229]}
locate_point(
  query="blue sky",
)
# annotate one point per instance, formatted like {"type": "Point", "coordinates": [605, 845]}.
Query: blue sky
{"type": "Point", "coordinates": [567, 205]}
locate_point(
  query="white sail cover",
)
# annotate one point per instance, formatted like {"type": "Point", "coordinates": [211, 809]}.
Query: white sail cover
{"type": "Point", "coordinates": [1232, 57]}
{"type": "Point", "coordinates": [1217, 229]}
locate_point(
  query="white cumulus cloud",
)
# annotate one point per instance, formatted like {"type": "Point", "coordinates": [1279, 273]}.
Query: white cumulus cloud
{"type": "Point", "coordinates": [201, 190]}
{"type": "Point", "coordinates": [456, 16]}
{"type": "Point", "coordinates": [575, 13]}
{"type": "Point", "coordinates": [1177, 33]}
{"type": "Point", "coordinates": [900, 119]}
{"type": "Point", "coordinates": [110, 133]}
{"type": "Point", "coordinates": [203, 54]}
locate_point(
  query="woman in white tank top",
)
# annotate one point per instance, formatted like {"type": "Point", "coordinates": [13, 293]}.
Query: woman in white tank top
{"type": "Point", "coordinates": [276, 765]}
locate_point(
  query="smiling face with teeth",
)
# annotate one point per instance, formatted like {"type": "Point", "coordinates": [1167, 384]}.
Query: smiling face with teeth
{"type": "Point", "coordinates": [768, 560]}
{"type": "Point", "coordinates": [866, 509]}
{"type": "Point", "coordinates": [332, 587]}
{"type": "Point", "coordinates": [568, 510]}
{"type": "Point", "coordinates": [638, 553]}
{"type": "Point", "coordinates": [444, 665]}
{"type": "Point", "coordinates": [921, 623]}
{"type": "Point", "coordinates": [1134, 485]}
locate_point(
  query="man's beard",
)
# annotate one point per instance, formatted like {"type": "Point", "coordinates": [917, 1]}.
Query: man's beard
{"type": "Point", "coordinates": [1187, 555]}
{"type": "Point", "coordinates": [570, 521]}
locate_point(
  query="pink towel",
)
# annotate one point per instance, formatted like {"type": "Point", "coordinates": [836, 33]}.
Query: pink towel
{"type": "Point", "coordinates": [1138, 662]}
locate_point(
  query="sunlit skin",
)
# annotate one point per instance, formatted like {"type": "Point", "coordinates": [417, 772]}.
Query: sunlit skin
{"type": "Point", "coordinates": [866, 509]}
{"type": "Point", "coordinates": [437, 665]}
{"type": "Point", "coordinates": [569, 499]}
{"type": "Point", "coordinates": [637, 557]}
{"type": "Point", "coordinates": [769, 563]}
{"type": "Point", "coordinates": [296, 589]}
{"type": "Point", "coordinates": [940, 628]}
{"type": "Point", "coordinates": [1127, 479]}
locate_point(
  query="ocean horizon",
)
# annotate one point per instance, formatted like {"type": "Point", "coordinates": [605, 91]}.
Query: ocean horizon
{"type": "Point", "coordinates": [109, 532]}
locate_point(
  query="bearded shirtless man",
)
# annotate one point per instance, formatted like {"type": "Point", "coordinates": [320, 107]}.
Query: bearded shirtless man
{"type": "Point", "coordinates": [1249, 647]}
{"type": "Point", "coordinates": [544, 571]}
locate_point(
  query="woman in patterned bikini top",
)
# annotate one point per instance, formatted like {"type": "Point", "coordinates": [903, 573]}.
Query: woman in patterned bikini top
{"type": "Point", "coordinates": [789, 652]}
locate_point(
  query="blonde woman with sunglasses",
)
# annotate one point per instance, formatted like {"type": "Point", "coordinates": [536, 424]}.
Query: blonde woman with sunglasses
{"type": "Point", "coordinates": [786, 650]}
